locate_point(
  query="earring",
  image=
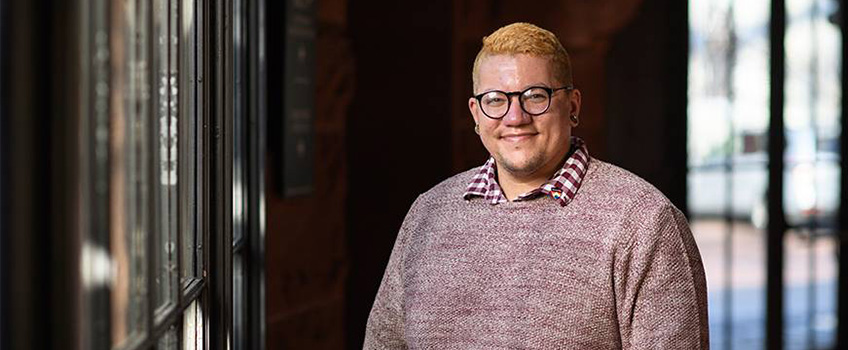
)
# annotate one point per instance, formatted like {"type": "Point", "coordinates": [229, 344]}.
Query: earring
{"type": "Point", "coordinates": [477, 129]}
{"type": "Point", "coordinates": [575, 120]}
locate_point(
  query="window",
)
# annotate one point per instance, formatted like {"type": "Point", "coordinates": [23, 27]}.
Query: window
{"type": "Point", "coordinates": [143, 260]}
{"type": "Point", "coordinates": [729, 124]}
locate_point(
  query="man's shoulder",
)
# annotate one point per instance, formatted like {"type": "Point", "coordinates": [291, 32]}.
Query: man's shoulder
{"type": "Point", "coordinates": [612, 183]}
{"type": "Point", "coordinates": [450, 189]}
{"type": "Point", "coordinates": [446, 194]}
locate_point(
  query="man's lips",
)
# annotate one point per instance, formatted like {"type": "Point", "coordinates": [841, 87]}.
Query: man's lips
{"type": "Point", "coordinates": [516, 137]}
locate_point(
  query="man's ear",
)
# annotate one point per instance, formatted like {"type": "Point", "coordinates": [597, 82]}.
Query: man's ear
{"type": "Point", "coordinates": [474, 109]}
{"type": "Point", "coordinates": [575, 100]}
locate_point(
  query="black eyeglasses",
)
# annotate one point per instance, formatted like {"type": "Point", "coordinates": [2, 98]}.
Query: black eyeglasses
{"type": "Point", "coordinates": [534, 100]}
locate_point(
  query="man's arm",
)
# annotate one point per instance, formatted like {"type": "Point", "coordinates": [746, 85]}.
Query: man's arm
{"type": "Point", "coordinates": [385, 328]}
{"type": "Point", "coordinates": [661, 292]}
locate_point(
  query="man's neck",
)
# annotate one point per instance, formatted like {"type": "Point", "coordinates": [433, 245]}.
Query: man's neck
{"type": "Point", "coordinates": [514, 185]}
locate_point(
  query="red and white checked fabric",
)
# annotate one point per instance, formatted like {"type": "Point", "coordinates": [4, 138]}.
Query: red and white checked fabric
{"type": "Point", "coordinates": [562, 187]}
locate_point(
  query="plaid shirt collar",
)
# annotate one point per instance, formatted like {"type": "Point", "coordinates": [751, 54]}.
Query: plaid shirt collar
{"type": "Point", "coordinates": [562, 187]}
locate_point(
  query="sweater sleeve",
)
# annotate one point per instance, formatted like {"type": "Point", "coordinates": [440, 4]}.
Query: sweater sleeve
{"type": "Point", "coordinates": [385, 327]}
{"type": "Point", "coordinates": [660, 286]}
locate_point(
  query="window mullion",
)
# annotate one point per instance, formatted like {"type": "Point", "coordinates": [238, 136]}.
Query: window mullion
{"type": "Point", "coordinates": [152, 135]}
{"type": "Point", "coordinates": [776, 220]}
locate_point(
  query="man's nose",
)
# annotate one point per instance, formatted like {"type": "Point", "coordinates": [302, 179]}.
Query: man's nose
{"type": "Point", "coordinates": [516, 115]}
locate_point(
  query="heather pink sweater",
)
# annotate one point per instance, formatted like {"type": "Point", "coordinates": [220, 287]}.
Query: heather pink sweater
{"type": "Point", "coordinates": [615, 268]}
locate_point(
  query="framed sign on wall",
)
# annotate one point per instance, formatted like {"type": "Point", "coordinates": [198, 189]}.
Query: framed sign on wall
{"type": "Point", "coordinates": [291, 93]}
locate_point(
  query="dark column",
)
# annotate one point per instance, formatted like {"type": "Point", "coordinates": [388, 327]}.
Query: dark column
{"type": "Point", "coordinates": [40, 124]}
{"type": "Point", "coordinates": [842, 313]}
{"type": "Point", "coordinates": [776, 223]}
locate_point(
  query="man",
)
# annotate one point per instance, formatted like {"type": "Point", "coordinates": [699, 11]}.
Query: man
{"type": "Point", "coordinates": [543, 247]}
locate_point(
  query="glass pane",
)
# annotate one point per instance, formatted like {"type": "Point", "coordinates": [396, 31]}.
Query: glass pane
{"type": "Point", "coordinates": [165, 156]}
{"type": "Point", "coordinates": [239, 116]}
{"type": "Point", "coordinates": [193, 327]}
{"type": "Point", "coordinates": [173, 145]}
{"type": "Point", "coordinates": [728, 177]}
{"type": "Point", "coordinates": [169, 341]}
{"type": "Point", "coordinates": [188, 142]}
{"type": "Point", "coordinates": [239, 302]}
{"type": "Point", "coordinates": [140, 165]}
{"type": "Point", "coordinates": [811, 178]}
{"type": "Point", "coordinates": [810, 273]}
{"type": "Point", "coordinates": [198, 131]}
{"type": "Point", "coordinates": [129, 182]}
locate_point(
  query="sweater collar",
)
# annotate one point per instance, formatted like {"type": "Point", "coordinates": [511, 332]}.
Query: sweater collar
{"type": "Point", "coordinates": [562, 187]}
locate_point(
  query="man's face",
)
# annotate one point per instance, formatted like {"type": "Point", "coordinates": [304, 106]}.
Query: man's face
{"type": "Point", "coordinates": [525, 145]}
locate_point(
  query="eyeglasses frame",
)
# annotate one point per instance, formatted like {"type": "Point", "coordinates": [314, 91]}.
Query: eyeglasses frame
{"type": "Point", "coordinates": [550, 91]}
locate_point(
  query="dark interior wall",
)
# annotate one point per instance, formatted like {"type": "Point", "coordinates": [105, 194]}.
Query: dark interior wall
{"type": "Point", "coordinates": [40, 186]}
{"type": "Point", "coordinates": [398, 132]}
{"type": "Point", "coordinates": [306, 261]}
{"type": "Point", "coordinates": [646, 96]}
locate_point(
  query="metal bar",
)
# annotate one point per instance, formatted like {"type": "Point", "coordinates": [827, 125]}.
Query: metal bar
{"type": "Point", "coordinates": [182, 157]}
{"type": "Point", "coordinates": [151, 135]}
{"type": "Point", "coordinates": [777, 222]}
{"type": "Point", "coordinates": [256, 174]}
{"type": "Point", "coordinates": [842, 279]}
{"type": "Point", "coordinates": [205, 226]}
{"type": "Point", "coordinates": [221, 172]}
{"type": "Point", "coordinates": [4, 176]}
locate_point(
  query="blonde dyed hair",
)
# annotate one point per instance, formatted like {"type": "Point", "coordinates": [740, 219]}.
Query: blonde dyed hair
{"type": "Point", "coordinates": [524, 38]}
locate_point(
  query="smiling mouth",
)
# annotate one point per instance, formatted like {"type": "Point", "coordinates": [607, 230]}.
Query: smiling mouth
{"type": "Point", "coordinates": [517, 137]}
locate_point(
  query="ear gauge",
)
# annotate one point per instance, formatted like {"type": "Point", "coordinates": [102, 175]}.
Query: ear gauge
{"type": "Point", "coordinates": [575, 120]}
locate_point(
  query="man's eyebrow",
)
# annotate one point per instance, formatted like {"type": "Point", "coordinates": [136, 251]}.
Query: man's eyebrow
{"type": "Point", "coordinates": [525, 87]}
{"type": "Point", "coordinates": [483, 91]}
{"type": "Point", "coordinates": [536, 85]}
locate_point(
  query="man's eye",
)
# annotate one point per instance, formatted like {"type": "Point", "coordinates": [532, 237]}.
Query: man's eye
{"type": "Point", "coordinates": [534, 96]}
{"type": "Point", "coordinates": [493, 101]}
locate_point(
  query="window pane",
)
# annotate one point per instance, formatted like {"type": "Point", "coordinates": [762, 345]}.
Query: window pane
{"type": "Point", "coordinates": [193, 327]}
{"type": "Point", "coordinates": [165, 156]}
{"type": "Point", "coordinates": [198, 131]}
{"type": "Point", "coordinates": [239, 302]}
{"type": "Point", "coordinates": [811, 178]}
{"type": "Point", "coordinates": [129, 169]}
{"type": "Point", "coordinates": [728, 118]}
{"type": "Point", "coordinates": [239, 116]}
{"type": "Point", "coordinates": [173, 145]}
{"type": "Point", "coordinates": [188, 141]}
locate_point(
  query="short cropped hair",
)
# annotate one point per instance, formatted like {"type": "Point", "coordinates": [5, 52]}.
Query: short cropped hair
{"type": "Point", "coordinates": [524, 38]}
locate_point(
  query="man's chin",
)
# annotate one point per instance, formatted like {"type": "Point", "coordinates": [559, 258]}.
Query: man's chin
{"type": "Point", "coordinates": [522, 167]}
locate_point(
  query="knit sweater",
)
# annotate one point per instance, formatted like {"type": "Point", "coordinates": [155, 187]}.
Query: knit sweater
{"type": "Point", "coordinates": [615, 268]}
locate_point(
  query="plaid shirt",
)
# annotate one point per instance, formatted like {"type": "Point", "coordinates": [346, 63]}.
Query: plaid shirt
{"type": "Point", "coordinates": [562, 187]}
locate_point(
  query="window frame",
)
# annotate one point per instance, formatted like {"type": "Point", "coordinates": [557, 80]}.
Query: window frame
{"type": "Point", "coordinates": [212, 175]}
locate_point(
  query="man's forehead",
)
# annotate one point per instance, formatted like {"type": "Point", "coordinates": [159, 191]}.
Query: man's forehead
{"type": "Point", "coordinates": [499, 71]}
{"type": "Point", "coordinates": [519, 65]}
